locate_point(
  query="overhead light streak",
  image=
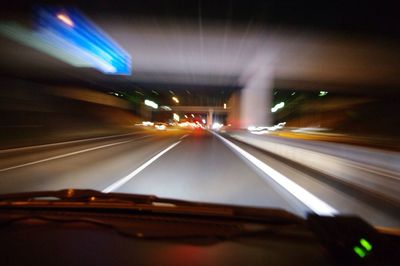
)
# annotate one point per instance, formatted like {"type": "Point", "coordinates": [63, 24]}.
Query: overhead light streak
{"type": "Point", "coordinates": [151, 104]}
{"type": "Point", "coordinates": [166, 108]}
{"type": "Point", "coordinates": [175, 99]}
{"type": "Point", "coordinates": [277, 107]}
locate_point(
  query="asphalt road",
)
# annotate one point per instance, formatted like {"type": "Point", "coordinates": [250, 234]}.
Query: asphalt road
{"type": "Point", "coordinates": [190, 165]}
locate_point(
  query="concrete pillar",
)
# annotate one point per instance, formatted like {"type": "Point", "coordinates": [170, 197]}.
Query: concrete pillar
{"type": "Point", "coordinates": [233, 117]}
{"type": "Point", "coordinates": [255, 100]}
{"type": "Point", "coordinates": [210, 118]}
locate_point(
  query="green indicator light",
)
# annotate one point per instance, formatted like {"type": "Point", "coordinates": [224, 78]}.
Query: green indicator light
{"type": "Point", "coordinates": [359, 252]}
{"type": "Point", "coordinates": [322, 93]}
{"type": "Point", "coordinates": [366, 244]}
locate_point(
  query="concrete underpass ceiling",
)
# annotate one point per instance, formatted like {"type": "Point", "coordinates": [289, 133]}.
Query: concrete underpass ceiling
{"type": "Point", "coordinates": [215, 54]}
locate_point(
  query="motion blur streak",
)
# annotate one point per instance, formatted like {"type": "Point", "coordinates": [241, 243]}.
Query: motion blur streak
{"type": "Point", "coordinates": [313, 103]}
{"type": "Point", "coordinates": [66, 155]}
{"type": "Point", "coordinates": [64, 18]}
{"type": "Point", "coordinates": [72, 38]}
{"type": "Point", "coordinates": [314, 203]}
{"type": "Point", "coordinates": [125, 179]}
{"type": "Point", "coordinates": [42, 44]}
{"type": "Point", "coordinates": [372, 170]}
{"type": "Point", "coordinates": [62, 143]}
{"type": "Point", "coordinates": [184, 136]}
{"type": "Point", "coordinates": [68, 27]}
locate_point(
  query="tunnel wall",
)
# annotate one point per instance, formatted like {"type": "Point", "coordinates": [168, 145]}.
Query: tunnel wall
{"type": "Point", "coordinates": [34, 114]}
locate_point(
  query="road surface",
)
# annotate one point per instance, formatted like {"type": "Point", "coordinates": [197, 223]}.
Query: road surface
{"type": "Point", "coordinates": [191, 165]}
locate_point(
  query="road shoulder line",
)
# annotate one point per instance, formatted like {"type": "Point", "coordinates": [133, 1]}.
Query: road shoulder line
{"type": "Point", "coordinates": [64, 143]}
{"type": "Point", "coordinates": [311, 201]}
{"type": "Point", "coordinates": [68, 154]}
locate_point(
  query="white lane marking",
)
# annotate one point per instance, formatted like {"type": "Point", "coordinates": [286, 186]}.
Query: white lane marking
{"type": "Point", "coordinates": [68, 154]}
{"type": "Point", "coordinates": [184, 136]}
{"type": "Point", "coordinates": [315, 204]}
{"type": "Point", "coordinates": [65, 142]}
{"type": "Point", "coordinates": [125, 179]}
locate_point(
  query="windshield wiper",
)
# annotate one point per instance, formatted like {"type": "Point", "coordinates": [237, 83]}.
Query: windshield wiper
{"type": "Point", "coordinates": [76, 195]}
{"type": "Point", "coordinates": [273, 216]}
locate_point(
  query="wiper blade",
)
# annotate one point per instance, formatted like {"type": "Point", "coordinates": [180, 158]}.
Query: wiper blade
{"type": "Point", "coordinates": [76, 195]}
{"type": "Point", "coordinates": [272, 216]}
{"type": "Point", "coordinates": [90, 195]}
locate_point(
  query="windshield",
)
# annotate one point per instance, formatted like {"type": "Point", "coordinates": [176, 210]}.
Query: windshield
{"type": "Point", "coordinates": [250, 103]}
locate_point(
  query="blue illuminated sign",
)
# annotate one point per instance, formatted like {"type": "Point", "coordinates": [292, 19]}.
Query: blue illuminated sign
{"type": "Point", "coordinates": [74, 34]}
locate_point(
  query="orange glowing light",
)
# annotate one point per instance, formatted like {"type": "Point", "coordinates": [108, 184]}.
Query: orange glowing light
{"type": "Point", "coordinates": [64, 18]}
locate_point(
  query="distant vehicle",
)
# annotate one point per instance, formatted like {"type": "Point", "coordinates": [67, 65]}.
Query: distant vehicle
{"type": "Point", "coordinates": [160, 126]}
{"type": "Point", "coordinates": [147, 123]}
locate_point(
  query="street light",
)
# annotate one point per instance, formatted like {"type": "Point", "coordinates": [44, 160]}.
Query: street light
{"type": "Point", "coordinates": [166, 108]}
{"type": "Point", "coordinates": [151, 104]}
{"type": "Point", "coordinates": [64, 18]}
{"type": "Point", "coordinates": [322, 93]}
{"type": "Point", "coordinates": [175, 99]}
{"type": "Point", "coordinates": [277, 107]}
{"type": "Point", "coordinates": [224, 105]}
